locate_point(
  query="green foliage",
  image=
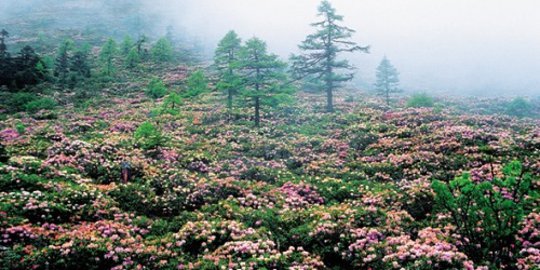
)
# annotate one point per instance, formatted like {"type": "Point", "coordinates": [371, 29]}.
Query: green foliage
{"type": "Point", "coordinates": [22, 70]}
{"type": "Point", "coordinates": [171, 103]}
{"type": "Point", "coordinates": [133, 58]}
{"type": "Point", "coordinates": [147, 136]}
{"type": "Point", "coordinates": [61, 69]}
{"type": "Point", "coordinates": [519, 107]}
{"type": "Point", "coordinates": [20, 127]}
{"type": "Point", "coordinates": [156, 89]}
{"type": "Point", "coordinates": [48, 65]}
{"type": "Point", "coordinates": [420, 100]}
{"type": "Point", "coordinates": [197, 84]}
{"type": "Point", "coordinates": [264, 77]}
{"type": "Point", "coordinates": [387, 80]}
{"type": "Point", "coordinates": [127, 45]}
{"type": "Point", "coordinates": [107, 55]}
{"type": "Point", "coordinates": [16, 102]}
{"type": "Point", "coordinates": [80, 64]}
{"type": "Point", "coordinates": [44, 103]}
{"type": "Point", "coordinates": [488, 213]}
{"type": "Point", "coordinates": [20, 181]}
{"type": "Point", "coordinates": [133, 197]}
{"type": "Point", "coordinates": [321, 49]}
{"type": "Point", "coordinates": [162, 51]}
{"type": "Point", "coordinates": [225, 61]}
{"type": "Point", "coordinates": [28, 69]}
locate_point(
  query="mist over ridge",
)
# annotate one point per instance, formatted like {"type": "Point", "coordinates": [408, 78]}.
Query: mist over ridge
{"type": "Point", "coordinates": [450, 47]}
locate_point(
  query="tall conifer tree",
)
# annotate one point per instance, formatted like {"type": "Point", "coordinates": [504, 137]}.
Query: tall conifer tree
{"type": "Point", "coordinates": [321, 50]}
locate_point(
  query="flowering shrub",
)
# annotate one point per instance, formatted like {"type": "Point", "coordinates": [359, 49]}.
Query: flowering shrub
{"type": "Point", "coordinates": [430, 251]}
{"type": "Point", "coordinates": [299, 195]}
{"type": "Point", "coordinates": [529, 237]}
{"type": "Point", "coordinates": [261, 254]}
{"type": "Point", "coordinates": [308, 190]}
{"type": "Point", "coordinates": [487, 214]}
{"type": "Point", "coordinates": [204, 237]}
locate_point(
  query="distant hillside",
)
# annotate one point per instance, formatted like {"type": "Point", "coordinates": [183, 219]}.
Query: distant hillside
{"type": "Point", "coordinates": [93, 21]}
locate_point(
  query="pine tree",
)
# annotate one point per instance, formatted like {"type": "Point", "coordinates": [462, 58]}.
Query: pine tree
{"type": "Point", "coordinates": [133, 58]}
{"type": "Point", "coordinates": [225, 61]}
{"type": "Point", "coordinates": [62, 62]}
{"type": "Point", "coordinates": [197, 84]}
{"type": "Point", "coordinates": [387, 80]}
{"type": "Point", "coordinates": [106, 56]}
{"type": "Point", "coordinates": [127, 45]}
{"type": "Point", "coordinates": [162, 51]}
{"type": "Point", "coordinates": [171, 103]}
{"type": "Point", "coordinates": [263, 75]}
{"type": "Point", "coordinates": [80, 64]}
{"type": "Point", "coordinates": [26, 66]}
{"type": "Point", "coordinates": [321, 49]}
{"type": "Point", "coordinates": [6, 66]}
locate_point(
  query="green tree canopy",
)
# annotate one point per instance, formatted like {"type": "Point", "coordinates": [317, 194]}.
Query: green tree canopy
{"type": "Point", "coordinates": [387, 80]}
{"type": "Point", "coordinates": [162, 51]}
{"type": "Point", "coordinates": [197, 84]}
{"type": "Point", "coordinates": [127, 45]}
{"type": "Point", "coordinates": [62, 61]}
{"type": "Point", "coordinates": [225, 61]}
{"type": "Point", "coordinates": [106, 56]}
{"type": "Point", "coordinates": [320, 52]}
{"type": "Point", "coordinates": [133, 58]}
{"type": "Point", "coordinates": [263, 77]}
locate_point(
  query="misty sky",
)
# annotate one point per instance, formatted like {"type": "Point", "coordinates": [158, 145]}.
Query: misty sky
{"type": "Point", "coordinates": [470, 46]}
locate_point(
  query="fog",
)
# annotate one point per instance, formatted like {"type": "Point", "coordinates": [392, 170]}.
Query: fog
{"type": "Point", "coordinates": [446, 46]}
{"type": "Point", "coordinates": [471, 47]}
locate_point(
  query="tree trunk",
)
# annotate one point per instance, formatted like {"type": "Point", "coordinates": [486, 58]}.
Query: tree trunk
{"type": "Point", "coordinates": [229, 99]}
{"type": "Point", "coordinates": [257, 112]}
{"type": "Point", "coordinates": [387, 97]}
{"type": "Point", "coordinates": [329, 100]}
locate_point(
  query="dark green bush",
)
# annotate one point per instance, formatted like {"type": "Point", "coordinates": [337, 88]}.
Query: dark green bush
{"type": "Point", "coordinates": [156, 89]}
{"type": "Point", "coordinates": [16, 102]}
{"type": "Point", "coordinates": [20, 181]}
{"type": "Point", "coordinates": [362, 139]}
{"type": "Point", "coordinates": [488, 214]}
{"type": "Point", "coordinates": [134, 197]}
{"type": "Point", "coordinates": [45, 103]}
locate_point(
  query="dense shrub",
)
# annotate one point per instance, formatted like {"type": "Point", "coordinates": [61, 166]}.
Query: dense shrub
{"type": "Point", "coordinates": [134, 197]}
{"type": "Point", "coordinates": [156, 89]}
{"type": "Point", "coordinates": [197, 84]}
{"type": "Point", "coordinates": [362, 139]}
{"type": "Point", "coordinates": [147, 136]}
{"type": "Point", "coordinates": [20, 181]}
{"type": "Point", "coordinates": [488, 213]}
{"type": "Point", "coordinates": [45, 103]}
{"type": "Point", "coordinates": [15, 102]}
{"type": "Point", "coordinates": [420, 100]}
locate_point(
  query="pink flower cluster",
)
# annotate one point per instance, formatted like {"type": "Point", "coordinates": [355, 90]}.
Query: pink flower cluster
{"type": "Point", "coordinates": [487, 172]}
{"type": "Point", "coordinates": [364, 249]}
{"type": "Point", "coordinates": [205, 234]}
{"type": "Point", "coordinates": [8, 134]}
{"type": "Point", "coordinates": [300, 195]}
{"type": "Point", "coordinates": [529, 237]}
{"type": "Point", "coordinates": [430, 249]}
